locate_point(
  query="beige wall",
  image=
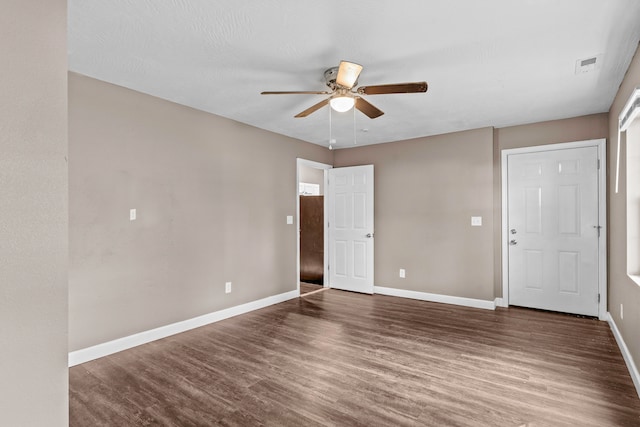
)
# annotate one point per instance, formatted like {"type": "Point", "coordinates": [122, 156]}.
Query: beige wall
{"type": "Point", "coordinates": [594, 126]}
{"type": "Point", "coordinates": [211, 194]}
{"type": "Point", "coordinates": [426, 191]}
{"type": "Point", "coordinates": [582, 128]}
{"type": "Point", "coordinates": [622, 290]}
{"type": "Point", "coordinates": [312, 176]}
{"type": "Point", "coordinates": [33, 214]}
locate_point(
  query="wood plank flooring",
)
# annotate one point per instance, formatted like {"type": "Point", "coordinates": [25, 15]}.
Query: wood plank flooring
{"type": "Point", "coordinates": [343, 359]}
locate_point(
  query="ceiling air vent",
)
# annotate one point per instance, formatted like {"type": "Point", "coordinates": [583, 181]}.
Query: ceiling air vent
{"type": "Point", "coordinates": [588, 64]}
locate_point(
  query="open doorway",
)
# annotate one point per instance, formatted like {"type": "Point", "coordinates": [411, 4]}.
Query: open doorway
{"type": "Point", "coordinates": [312, 230]}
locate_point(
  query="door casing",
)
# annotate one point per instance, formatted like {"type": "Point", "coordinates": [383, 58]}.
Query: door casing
{"type": "Point", "coordinates": [600, 144]}
{"type": "Point", "coordinates": [325, 167]}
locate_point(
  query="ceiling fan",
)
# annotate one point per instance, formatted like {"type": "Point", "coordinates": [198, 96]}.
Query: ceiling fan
{"type": "Point", "coordinates": [341, 80]}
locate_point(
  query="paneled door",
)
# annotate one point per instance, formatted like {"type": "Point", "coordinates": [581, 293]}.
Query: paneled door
{"type": "Point", "coordinates": [350, 217]}
{"type": "Point", "coordinates": [553, 230]}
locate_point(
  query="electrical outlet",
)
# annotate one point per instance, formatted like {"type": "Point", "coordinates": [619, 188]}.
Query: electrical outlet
{"type": "Point", "coordinates": [227, 288]}
{"type": "Point", "coordinates": [621, 311]}
{"type": "Point", "coordinates": [403, 273]}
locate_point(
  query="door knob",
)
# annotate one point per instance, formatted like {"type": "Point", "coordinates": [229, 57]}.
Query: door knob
{"type": "Point", "coordinates": [513, 231]}
{"type": "Point", "coordinates": [513, 242]}
{"type": "Point", "coordinates": [369, 235]}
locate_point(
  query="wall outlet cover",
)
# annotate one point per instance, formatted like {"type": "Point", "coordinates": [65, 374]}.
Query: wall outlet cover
{"type": "Point", "coordinates": [476, 221]}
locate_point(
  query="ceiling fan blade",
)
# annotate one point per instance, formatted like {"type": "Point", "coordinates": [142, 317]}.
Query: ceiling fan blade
{"type": "Point", "coordinates": [367, 108]}
{"type": "Point", "coordinates": [414, 87]}
{"type": "Point", "coordinates": [348, 73]}
{"type": "Point", "coordinates": [313, 108]}
{"type": "Point", "coordinates": [310, 92]}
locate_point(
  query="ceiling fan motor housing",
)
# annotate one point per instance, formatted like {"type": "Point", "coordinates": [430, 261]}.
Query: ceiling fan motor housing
{"type": "Point", "coordinates": [330, 77]}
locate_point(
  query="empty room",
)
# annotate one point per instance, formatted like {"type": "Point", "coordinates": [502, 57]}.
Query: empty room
{"type": "Point", "coordinates": [281, 213]}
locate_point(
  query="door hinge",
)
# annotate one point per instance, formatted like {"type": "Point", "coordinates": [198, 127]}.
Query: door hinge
{"type": "Point", "coordinates": [598, 298]}
{"type": "Point", "coordinates": [598, 227]}
{"type": "Point", "coordinates": [598, 163]}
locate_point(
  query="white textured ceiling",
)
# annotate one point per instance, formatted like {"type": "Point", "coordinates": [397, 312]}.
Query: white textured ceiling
{"type": "Point", "coordinates": [488, 63]}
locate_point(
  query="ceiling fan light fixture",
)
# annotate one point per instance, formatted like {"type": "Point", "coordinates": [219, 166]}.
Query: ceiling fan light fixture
{"type": "Point", "coordinates": [342, 103]}
{"type": "Point", "coordinates": [342, 95]}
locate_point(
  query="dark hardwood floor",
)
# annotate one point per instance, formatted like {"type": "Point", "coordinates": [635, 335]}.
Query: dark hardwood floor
{"type": "Point", "coordinates": [344, 359]}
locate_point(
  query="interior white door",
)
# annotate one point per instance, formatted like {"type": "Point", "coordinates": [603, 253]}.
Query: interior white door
{"type": "Point", "coordinates": [350, 217]}
{"type": "Point", "coordinates": [553, 230]}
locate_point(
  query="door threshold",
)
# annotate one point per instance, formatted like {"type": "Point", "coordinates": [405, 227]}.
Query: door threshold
{"type": "Point", "coordinates": [313, 292]}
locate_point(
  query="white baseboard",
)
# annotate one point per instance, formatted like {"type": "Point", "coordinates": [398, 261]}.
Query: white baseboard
{"type": "Point", "coordinates": [500, 302]}
{"type": "Point", "coordinates": [628, 359]}
{"type": "Point", "coordinates": [105, 349]}
{"type": "Point", "coordinates": [424, 296]}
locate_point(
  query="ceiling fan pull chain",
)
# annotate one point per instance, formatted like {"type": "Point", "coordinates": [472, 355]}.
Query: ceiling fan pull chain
{"type": "Point", "coordinates": [330, 140]}
{"type": "Point", "coordinates": [355, 141]}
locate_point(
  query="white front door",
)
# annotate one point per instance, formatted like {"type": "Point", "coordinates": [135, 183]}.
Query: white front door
{"type": "Point", "coordinates": [553, 230]}
{"type": "Point", "coordinates": [350, 217]}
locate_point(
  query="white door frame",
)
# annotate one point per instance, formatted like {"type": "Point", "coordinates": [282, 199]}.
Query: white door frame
{"type": "Point", "coordinates": [325, 167]}
{"type": "Point", "coordinates": [600, 144]}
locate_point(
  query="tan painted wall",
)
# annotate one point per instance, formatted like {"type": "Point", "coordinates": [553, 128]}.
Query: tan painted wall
{"type": "Point", "coordinates": [312, 176]}
{"type": "Point", "coordinates": [426, 191]}
{"type": "Point", "coordinates": [622, 290]}
{"type": "Point", "coordinates": [33, 214]}
{"type": "Point", "coordinates": [212, 197]}
{"type": "Point", "coordinates": [594, 126]}
{"type": "Point", "coordinates": [581, 128]}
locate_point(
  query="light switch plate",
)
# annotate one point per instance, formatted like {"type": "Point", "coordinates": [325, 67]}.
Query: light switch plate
{"type": "Point", "coordinates": [289, 219]}
{"type": "Point", "coordinates": [476, 221]}
{"type": "Point", "coordinates": [132, 214]}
